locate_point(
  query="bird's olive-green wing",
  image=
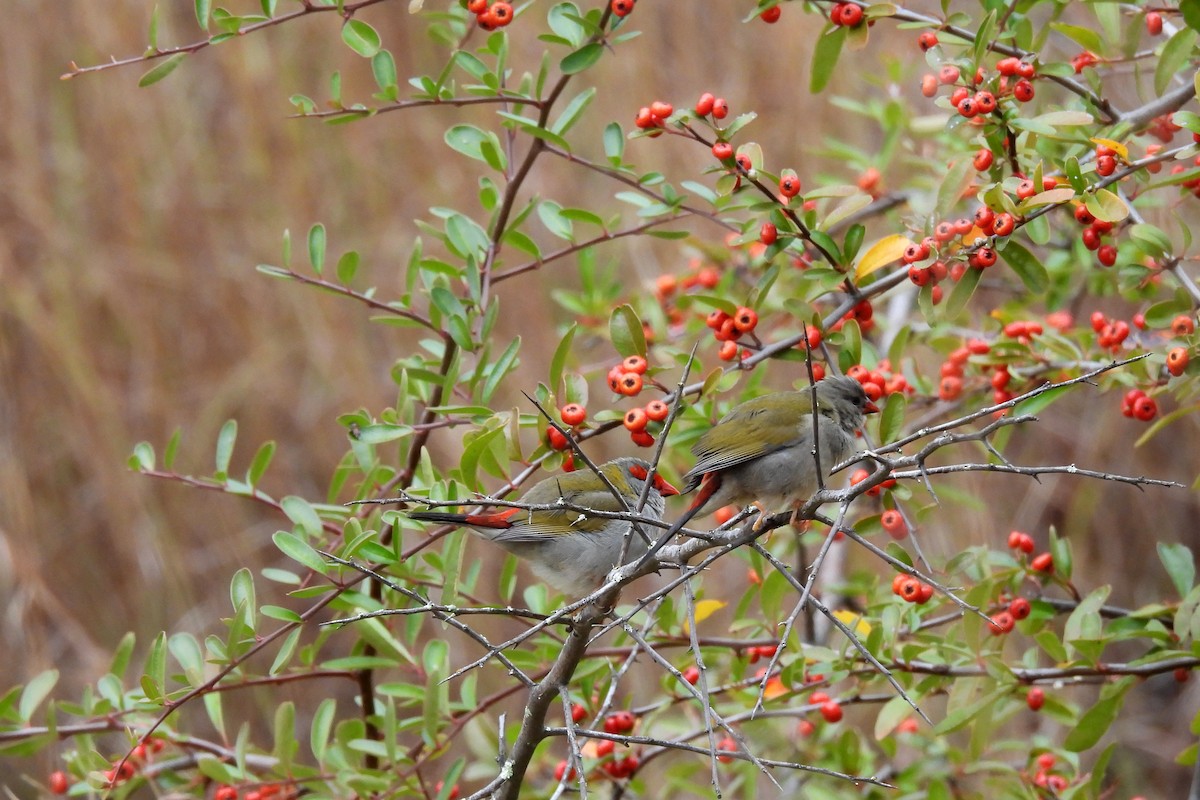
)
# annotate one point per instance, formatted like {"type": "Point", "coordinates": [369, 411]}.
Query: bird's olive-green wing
{"type": "Point", "coordinates": [751, 430]}
{"type": "Point", "coordinates": [580, 488]}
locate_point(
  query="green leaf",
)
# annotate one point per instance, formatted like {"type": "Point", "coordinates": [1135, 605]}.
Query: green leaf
{"type": "Point", "coordinates": [299, 551]}
{"type": "Point", "coordinates": [1160, 314]}
{"type": "Point", "coordinates": [1086, 38]}
{"type": "Point", "coordinates": [302, 514]}
{"type": "Point", "coordinates": [573, 111]}
{"type": "Point", "coordinates": [1099, 718]}
{"type": "Point", "coordinates": [891, 421]}
{"type": "Point", "coordinates": [316, 247]}
{"type": "Point", "coordinates": [225, 442]}
{"type": "Point", "coordinates": [1191, 13]}
{"type": "Point", "coordinates": [285, 735]}
{"type": "Point", "coordinates": [614, 143]}
{"type": "Point", "coordinates": [500, 367]}
{"type": "Point", "coordinates": [383, 66]}
{"type": "Point", "coordinates": [361, 38]}
{"type": "Point", "coordinates": [825, 58]}
{"type": "Point", "coordinates": [161, 70]}
{"type": "Point", "coordinates": [258, 466]}
{"type": "Point", "coordinates": [142, 457]}
{"type": "Point", "coordinates": [1026, 265]}
{"type": "Point", "coordinates": [1035, 404]}
{"type": "Point", "coordinates": [581, 59]}
{"type": "Point", "coordinates": [1107, 205]}
{"type": "Point", "coordinates": [35, 692]}
{"type": "Point", "coordinates": [1176, 53]}
{"type": "Point", "coordinates": [625, 330]}
{"type": "Point", "coordinates": [960, 295]}
{"type": "Point", "coordinates": [203, 10]}
{"type": "Point", "coordinates": [559, 360]}
{"type": "Point", "coordinates": [187, 652]}
{"type": "Point", "coordinates": [322, 727]}
{"type": "Point", "coordinates": [1180, 565]}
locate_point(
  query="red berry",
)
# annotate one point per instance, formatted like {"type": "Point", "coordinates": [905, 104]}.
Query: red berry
{"type": "Point", "coordinates": [560, 771]}
{"type": "Point", "coordinates": [635, 364]}
{"type": "Point", "coordinates": [728, 743]}
{"type": "Point", "coordinates": [745, 320]}
{"type": "Point", "coordinates": [722, 150]}
{"type": "Point", "coordinates": [1026, 189]}
{"type": "Point", "coordinates": [771, 15]}
{"type": "Point", "coordinates": [1154, 23]}
{"type": "Point", "coordinates": [720, 108]}
{"type": "Point", "coordinates": [948, 74]}
{"type": "Point", "coordinates": [789, 184]}
{"type": "Point", "coordinates": [1183, 325]}
{"type": "Point", "coordinates": [691, 675]}
{"type": "Point", "coordinates": [572, 414]}
{"type": "Point", "coordinates": [1091, 238]}
{"type": "Point", "coordinates": [985, 218]}
{"type": "Point", "coordinates": [635, 420]}
{"type": "Point", "coordinates": [1107, 255]}
{"type": "Point", "coordinates": [1042, 562]}
{"type": "Point", "coordinates": [619, 722]}
{"type": "Point", "coordinates": [1145, 409]}
{"type": "Point", "coordinates": [768, 233]}
{"type": "Point", "coordinates": [477, 6]}
{"type": "Point", "coordinates": [744, 163]}
{"type": "Point", "coordinates": [1182, 674]}
{"type": "Point", "coordinates": [852, 15]}
{"type": "Point", "coordinates": [1019, 608]}
{"type": "Point", "coordinates": [967, 107]}
{"type": "Point", "coordinates": [950, 388]}
{"type": "Point", "coordinates": [924, 593]}
{"type": "Point", "coordinates": [927, 40]}
{"type": "Point", "coordinates": [983, 258]}
{"type": "Point", "coordinates": [629, 384]}
{"type": "Point", "coordinates": [985, 102]}
{"type": "Point", "coordinates": [983, 159]}
{"type": "Point", "coordinates": [605, 747]}
{"type": "Point", "coordinates": [1106, 165]}
{"type": "Point", "coordinates": [704, 105]}
{"type": "Point", "coordinates": [501, 13]}
{"type": "Point", "coordinates": [1008, 65]}
{"type": "Point", "coordinates": [657, 410]}
{"type": "Point", "coordinates": [622, 8]}
{"type": "Point", "coordinates": [728, 350]}
{"type": "Point", "coordinates": [1023, 91]}
{"type": "Point", "coordinates": [58, 783]}
{"type": "Point", "coordinates": [1002, 623]}
{"type": "Point", "coordinates": [893, 523]}
{"type": "Point", "coordinates": [578, 712]}
{"type": "Point", "coordinates": [831, 710]}
{"type": "Point", "coordinates": [929, 84]}
{"type": "Point", "coordinates": [1004, 224]}
{"type": "Point", "coordinates": [556, 439]}
{"type": "Point", "coordinates": [641, 439]}
{"type": "Point", "coordinates": [1177, 360]}
{"type": "Point", "coordinates": [1035, 698]}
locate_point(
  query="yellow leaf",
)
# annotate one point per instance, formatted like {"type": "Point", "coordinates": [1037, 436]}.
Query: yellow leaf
{"type": "Point", "coordinates": [704, 610]}
{"type": "Point", "coordinates": [860, 627]}
{"type": "Point", "coordinates": [774, 688]}
{"type": "Point", "coordinates": [1121, 150]}
{"type": "Point", "coordinates": [882, 253]}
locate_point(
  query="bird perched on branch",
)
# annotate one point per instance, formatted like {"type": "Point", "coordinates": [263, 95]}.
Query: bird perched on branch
{"type": "Point", "coordinates": [761, 452]}
{"type": "Point", "coordinates": [567, 548]}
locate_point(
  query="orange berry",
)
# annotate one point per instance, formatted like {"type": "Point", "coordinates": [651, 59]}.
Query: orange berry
{"type": "Point", "coordinates": [1183, 325]}
{"type": "Point", "coordinates": [1177, 360]}
{"type": "Point", "coordinates": [745, 320]}
{"type": "Point", "coordinates": [634, 364]}
{"type": "Point", "coordinates": [657, 410]}
{"type": "Point", "coordinates": [728, 350]}
{"type": "Point", "coordinates": [1002, 623]}
{"type": "Point", "coordinates": [572, 414]}
{"type": "Point", "coordinates": [950, 388]}
{"type": "Point", "coordinates": [635, 419]}
{"type": "Point", "coordinates": [893, 523]}
{"type": "Point", "coordinates": [629, 384]}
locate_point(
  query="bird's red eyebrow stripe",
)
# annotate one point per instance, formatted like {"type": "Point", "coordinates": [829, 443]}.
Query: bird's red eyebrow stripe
{"type": "Point", "coordinates": [638, 471]}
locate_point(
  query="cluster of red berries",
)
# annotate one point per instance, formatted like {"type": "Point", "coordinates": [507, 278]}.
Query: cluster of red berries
{"type": "Point", "coordinates": [489, 17]}
{"type": "Point", "coordinates": [728, 329]}
{"type": "Point", "coordinates": [270, 790]}
{"type": "Point", "coordinates": [1110, 333]}
{"type": "Point", "coordinates": [950, 386]}
{"type": "Point", "coordinates": [830, 709]}
{"type": "Point", "coordinates": [1138, 405]}
{"type": "Point", "coordinates": [1092, 236]}
{"type": "Point", "coordinates": [1023, 542]}
{"type": "Point", "coordinates": [625, 377]}
{"type": "Point", "coordinates": [859, 475]}
{"type": "Point", "coordinates": [753, 654]}
{"type": "Point", "coordinates": [654, 115]}
{"type": "Point", "coordinates": [1191, 184]}
{"type": "Point", "coordinates": [971, 98]}
{"type": "Point", "coordinates": [1017, 609]}
{"type": "Point", "coordinates": [1043, 778]}
{"type": "Point", "coordinates": [846, 15]}
{"type": "Point", "coordinates": [911, 590]}
{"type": "Point", "coordinates": [636, 421]}
{"type": "Point", "coordinates": [862, 312]}
{"type": "Point", "coordinates": [879, 381]}
{"type": "Point", "coordinates": [708, 104]}
{"type": "Point", "coordinates": [60, 783]}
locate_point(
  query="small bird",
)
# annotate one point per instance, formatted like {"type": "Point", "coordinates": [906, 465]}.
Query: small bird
{"type": "Point", "coordinates": [761, 452]}
{"type": "Point", "coordinates": [566, 548]}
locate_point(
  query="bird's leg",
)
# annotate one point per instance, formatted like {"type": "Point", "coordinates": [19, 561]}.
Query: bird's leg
{"type": "Point", "coordinates": [762, 515]}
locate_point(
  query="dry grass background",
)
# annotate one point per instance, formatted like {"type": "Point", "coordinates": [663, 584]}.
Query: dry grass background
{"type": "Point", "coordinates": [130, 224]}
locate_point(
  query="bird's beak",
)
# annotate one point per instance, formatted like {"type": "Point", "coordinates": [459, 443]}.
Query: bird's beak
{"type": "Point", "coordinates": [871, 408]}
{"type": "Point", "coordinates": [664, 488]}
